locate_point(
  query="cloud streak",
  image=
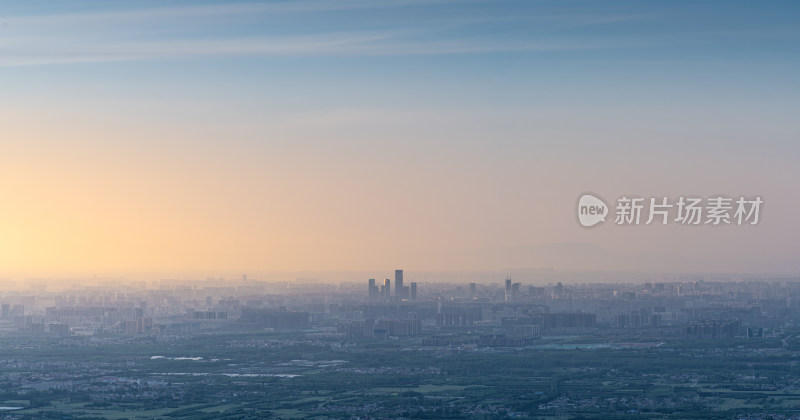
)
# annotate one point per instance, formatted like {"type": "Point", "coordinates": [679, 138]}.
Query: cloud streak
{"type": "Point", "coordinates": [256, 29]}
{"type": "Point", "coordinates": [26, 52]}
{"type": "Point", "coordinates": [213, 10]}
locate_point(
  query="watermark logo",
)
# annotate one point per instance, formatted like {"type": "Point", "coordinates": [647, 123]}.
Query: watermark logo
{"type": "Point", "coordinates": [716, 210]}
{"type": "Point", "coordinates": [591, 210]}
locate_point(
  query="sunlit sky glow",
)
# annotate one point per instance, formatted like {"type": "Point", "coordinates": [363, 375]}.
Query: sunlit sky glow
{"type": "Point", "coordinates": [338, 135]}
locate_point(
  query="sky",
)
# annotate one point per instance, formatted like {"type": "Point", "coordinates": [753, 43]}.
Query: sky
{"type": "Point", "coordinates": [359, 135]}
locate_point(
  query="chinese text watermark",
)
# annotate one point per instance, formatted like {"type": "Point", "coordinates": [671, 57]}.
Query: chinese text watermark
{"type": "Point", "coordinates": [684, 210]}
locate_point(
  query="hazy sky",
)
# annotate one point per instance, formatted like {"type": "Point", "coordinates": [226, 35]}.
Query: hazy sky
{"type": "Point", "coordinates": [310, 135]}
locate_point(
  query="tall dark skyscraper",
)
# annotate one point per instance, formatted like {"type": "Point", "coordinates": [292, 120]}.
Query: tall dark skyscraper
{"type": "Point", "coordinates": [398, 283]}
{"type": "Point", "coordinates": [413, 291]}
{"type": "Point", "coordinates": [373, 289]}
{"type": "Point", "coordinates": [387, 284]}
{"type": "Point", "coordinates": [508, 288]}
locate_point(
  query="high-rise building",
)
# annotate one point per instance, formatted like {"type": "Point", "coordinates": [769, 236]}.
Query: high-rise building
{"type": "Point", "coordinates": [373, 289]}
{"type": "Point", "coordinates": [6, 311]}
{"type": "Point", "coordinates": [398, 284]}
{"type": "Point", "coordinates": [387, 284]}
{"type": "Point", "coordinates": [400, 327]}
{"type": "Point", "coordinates": [508, 288]}
{"type": "Point", "coordinates": [413, 291]}
{"type": "Point", "coordinates": [536, 291]}
{"type": "Point", "coordinates": [558, 290]}
{"type": "Point", "coordinates": [515, 290]}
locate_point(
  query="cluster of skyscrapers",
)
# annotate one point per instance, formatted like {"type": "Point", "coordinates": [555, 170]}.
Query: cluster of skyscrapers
{"type": "Point", "coordinates": [401, 291]}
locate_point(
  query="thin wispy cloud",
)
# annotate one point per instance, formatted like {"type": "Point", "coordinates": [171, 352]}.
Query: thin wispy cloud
{"type": "Point", "coordinates": [23, 52]}
{"type": "Point", "coordinates": [257, 29]}
{"type": "Point", "coordinates": [215, 10]}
